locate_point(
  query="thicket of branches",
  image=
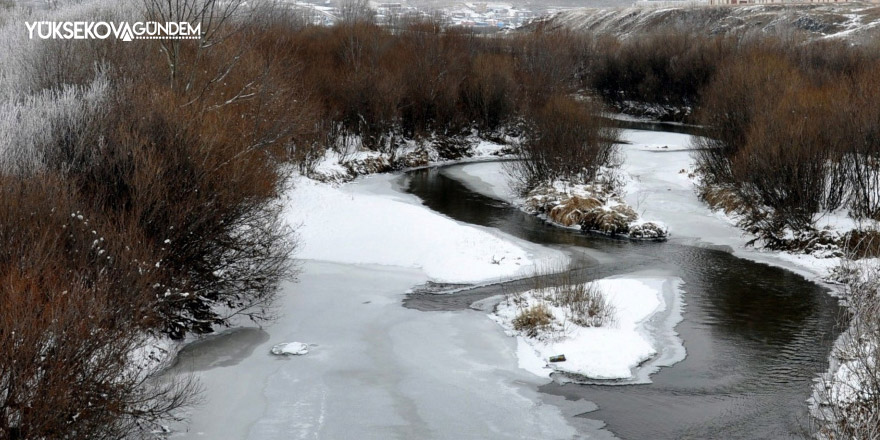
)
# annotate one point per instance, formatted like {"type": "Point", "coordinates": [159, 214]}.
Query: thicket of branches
{"type": "Point", "coordinates": [791, 125]}
{"type": "Point", "coordinates": [849, 396]}
{"type": "Point", "coordinates": [140, 185]}
{"type": "Point", "coordinates": [794, 134]}
{"type": "Point", "coordinates": [565, 139]}
{"type": "Point", "coordinates": [666, 68]}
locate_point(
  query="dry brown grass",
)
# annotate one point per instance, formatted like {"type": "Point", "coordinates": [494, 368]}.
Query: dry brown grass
{"type": "Point", "coordinates": [533, 320]}
{"type": "Point", "coordinates": [584, 304]}
{"type": "Point", "coordinates": [614, 221]}
{"type": "Point", "coordinates": [723, 198]}
{"type": "Point", "coordinates": [862, 244]}
{"type": "Point", "coordinates": [572, 211]}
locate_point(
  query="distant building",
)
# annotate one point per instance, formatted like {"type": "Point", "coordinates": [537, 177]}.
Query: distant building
{"type": "Point", "coordinates": [392, 8]}
{"type": "Point", "coordinates": [669, 3]}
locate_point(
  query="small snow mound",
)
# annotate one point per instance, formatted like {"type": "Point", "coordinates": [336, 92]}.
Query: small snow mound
{"type": "Point", "coordinates": [290, 348]}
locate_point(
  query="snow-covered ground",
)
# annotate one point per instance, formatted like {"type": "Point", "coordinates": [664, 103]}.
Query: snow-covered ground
{"type": "Point", "coordinates": [610, 351]}
{"type": "Point", "coordinates": [371, 222]}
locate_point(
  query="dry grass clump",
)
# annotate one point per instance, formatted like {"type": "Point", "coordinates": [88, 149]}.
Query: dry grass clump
{"type": "Point", "coordinates": [533, 320]}
{"type": "Point", "coordinates": [584, 304]}
{"type": "Point", "coordinates": [648, 231]}
{"type": "Point", "coordinates": [612, 221]}
{"type": "Point", "coordinates": [720, 197]}
{"type": "Point", "coordinates": [555, 301]}
{"type": "Point", "coordinates": [594, 208]}
{"type": "Point", "coordinates": [572, 211]}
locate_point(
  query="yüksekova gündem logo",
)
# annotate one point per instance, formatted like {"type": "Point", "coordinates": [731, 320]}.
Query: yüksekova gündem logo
{"type": "Point", "coordinates": [101, 30]}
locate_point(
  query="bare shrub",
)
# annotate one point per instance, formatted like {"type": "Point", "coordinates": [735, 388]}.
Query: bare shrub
{"type": "Point", "coordinates": [77, 302]}
{"type": "Point", "coordinates": [791, 136]}
{"type": "Point", "coordinates": [766, 111]}
{"type": "Point", "coordinates": [668, 67]}
{"type": "Point", "coordinates": [742, 87]}
{"type": "Point", "coordinates": [858, 124]}
{"type": "Point", "coordinates": [568, 140]}
{"type": "Point", "coordinates": [548, 64]}
{"type": "Point", "coordinates": [356, 11]}
{"type": "Point", "coordinates": [437, 65]}
{"type": "Point", "coordinates": [490, 90]}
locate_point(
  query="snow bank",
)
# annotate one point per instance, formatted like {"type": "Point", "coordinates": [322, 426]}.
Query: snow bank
{"type": "Point", "coordinates": [611, 351]}
{"type": "Point", "coordinates": [486, 178]}
{"type": "Point", "coordinates": [349, 159]}
{"type": "Point", "coordinates": [372, 223]}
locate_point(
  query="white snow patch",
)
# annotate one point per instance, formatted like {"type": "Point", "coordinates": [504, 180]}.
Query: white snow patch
{"type": "Point", "coordinates": [486, 178]}
{"type": "Point", "coordinates": [610, 351]}
{"type": "Point", "coordinates": [486, 148]}
{"type": "Point", "coordinates": [290, 348]}
{"type": "Point", "coordinates": [374, 223]}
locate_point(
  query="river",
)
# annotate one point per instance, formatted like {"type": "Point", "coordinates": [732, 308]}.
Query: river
{"type": "Point", "coordinates": [756, 336]}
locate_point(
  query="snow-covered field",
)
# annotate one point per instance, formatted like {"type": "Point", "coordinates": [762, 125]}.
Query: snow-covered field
{"type": "Point", "coordinates": [610, 351]}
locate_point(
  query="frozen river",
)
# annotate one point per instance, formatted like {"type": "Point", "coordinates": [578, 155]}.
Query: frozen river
{"type": "Point", "coordinates": [755, 335]}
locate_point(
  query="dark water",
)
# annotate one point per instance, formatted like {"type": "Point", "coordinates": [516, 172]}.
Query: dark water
{"type": "Point", "coordinates": [755, 335]}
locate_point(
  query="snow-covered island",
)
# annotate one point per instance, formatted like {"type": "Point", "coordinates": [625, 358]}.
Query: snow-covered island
{"type": "Point", "coordinates": [601, 328]}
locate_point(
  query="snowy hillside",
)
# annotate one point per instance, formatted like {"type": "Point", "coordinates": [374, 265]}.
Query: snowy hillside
{"type": "Point", "coordinates": [855, 21]}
